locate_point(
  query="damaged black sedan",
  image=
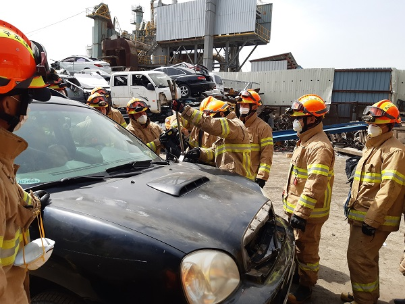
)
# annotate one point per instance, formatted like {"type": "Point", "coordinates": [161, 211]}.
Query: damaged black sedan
{"type": "Point", "coordinates": [130, 227]}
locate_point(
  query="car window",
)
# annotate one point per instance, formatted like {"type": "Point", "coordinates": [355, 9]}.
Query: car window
{"type": "Point", "coordinates": [137, 80]}
{"type": "Point", "coordinates": [81, 59]}
{"type": "Point", "coordinates": [173, 72]}
{"type": "Point", "coordinates": [69, 141]}
{"type": "Point", "coordinates": [160, 80]}
{"type": "Point", "coordinates": [120, 80]}
{"type": "Point", "coordinates": [218, 79]}
{"type": "Point", "coordinates": [69, 59]}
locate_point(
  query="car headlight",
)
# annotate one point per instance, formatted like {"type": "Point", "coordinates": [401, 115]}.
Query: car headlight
{"type": "Point", "coordinates": [208, 276]}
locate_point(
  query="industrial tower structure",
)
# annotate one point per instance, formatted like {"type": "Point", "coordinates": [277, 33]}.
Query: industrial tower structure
{"type": "Point", "coordinates": [208, 32]}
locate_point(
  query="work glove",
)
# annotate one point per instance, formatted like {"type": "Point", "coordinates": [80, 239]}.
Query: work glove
{"type": "Point", "coordinates": [298, 223]}
{"type": "Point", "coordinates": [367, 229]}
{"type": "Point", "coordinates": [43, 197]}
{"type": "Point", "coordinates": [193, 154]}
{"type": "Point", "coordinates": [178, 106]}
{"type": "Point", "coordinates": [167, 136]}
{"type": "Point", "coordinates": [260, 182]}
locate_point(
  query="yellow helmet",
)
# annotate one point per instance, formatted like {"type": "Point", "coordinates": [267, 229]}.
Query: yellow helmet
{"type": "Point", "coordinates": [135, 105]}
{"type": "Point", "coordinates": [97, 100]}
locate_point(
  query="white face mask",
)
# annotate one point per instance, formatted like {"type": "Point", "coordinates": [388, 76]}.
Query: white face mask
{"type": "Point", "coordinates": [142, 119]}
{"type": "Point", "coordinates": [23, 119]}
{"type": "Point", "coordinates": [297, 126]}
{"type": "Point", "coordinates": [244, 111]}
{"type": "Point", "coordinates": [374, 131]}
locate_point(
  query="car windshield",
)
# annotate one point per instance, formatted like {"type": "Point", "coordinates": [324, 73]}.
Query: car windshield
{"type": "Point", "coordinates": [67, 141]}
{"type": "Point", "coordinates": [160, 79]}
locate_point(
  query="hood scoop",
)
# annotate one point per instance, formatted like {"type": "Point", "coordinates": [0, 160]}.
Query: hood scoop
{"type": "Point", "coordinates": [178, 184]}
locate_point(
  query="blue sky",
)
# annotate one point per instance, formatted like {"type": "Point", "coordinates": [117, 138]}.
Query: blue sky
{"type": "Point", "coordinates": [319, 33]}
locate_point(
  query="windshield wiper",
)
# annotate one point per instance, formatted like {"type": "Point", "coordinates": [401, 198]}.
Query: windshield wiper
{"type": "Point", "coordinates": [137, 165]}
{"type": "Point", "coordinates": [67, 181]}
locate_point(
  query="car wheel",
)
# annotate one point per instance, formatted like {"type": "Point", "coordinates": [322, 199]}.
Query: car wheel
{"type": "Point", "coordinates": [55, 297]}
{"type": "Point", "coordinates": [184, 90]}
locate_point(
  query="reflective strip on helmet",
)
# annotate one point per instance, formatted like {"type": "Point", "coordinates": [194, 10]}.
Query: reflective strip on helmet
{"type": "Point", "coordinates": [37, 83]}
{"type": "Point", "coordinates": [369, 287]}
{"type": "Point", "coordinates": [152, 146]}
{"type": "Point", "coordinates": [318, 169]}
{"type": "Point", "coordinates": [266, 141]}
{"type": "Point", "coordinates": [7, 34]}
{"type": "Point", "coordinates": [367, 177]}
{"type": "Point", "coordinates": [308, 267]}
{"type": "Point", "coordinates": [264, 167]}
{"type": "Point", "coordinates": [9, 248]}
{"type": "Point", "coordinates": [307, 201]}
{"type": "Point", "coordinates": [224, 127]}
{"type": "Point", "coordinates": [360, 216]}
{"type": "Point", "coordinates": [393, 175]}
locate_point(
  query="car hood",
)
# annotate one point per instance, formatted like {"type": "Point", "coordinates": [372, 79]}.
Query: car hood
{"type": "Point", "coordinates": [180, 205]}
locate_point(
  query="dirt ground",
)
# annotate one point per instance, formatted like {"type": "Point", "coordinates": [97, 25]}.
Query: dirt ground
{"type": "Point", "coordinates": [334, 273]}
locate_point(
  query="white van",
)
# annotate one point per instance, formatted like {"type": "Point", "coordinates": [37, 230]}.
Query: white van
{"type": "Point", "coordinates": [149, 86]}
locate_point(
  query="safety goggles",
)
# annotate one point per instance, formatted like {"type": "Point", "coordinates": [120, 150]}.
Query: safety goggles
{"type": "Point", "coordinates": [297, 107]}
{"type": "Point", "coordinates": [98, 102]}
{"type": "Point", "coordinates": [376, 112]}
{"type": "Point", "coordinates": [247, 94]}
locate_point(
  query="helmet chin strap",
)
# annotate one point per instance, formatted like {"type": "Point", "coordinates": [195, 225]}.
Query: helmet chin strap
{"type": "Point", "coordinates": [308, 126]}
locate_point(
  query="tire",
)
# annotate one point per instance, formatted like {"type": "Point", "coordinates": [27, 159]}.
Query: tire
{"type": "Point", "coordinates": [184, 90]}
{"type": "Point", "coordinates": [55, 297]}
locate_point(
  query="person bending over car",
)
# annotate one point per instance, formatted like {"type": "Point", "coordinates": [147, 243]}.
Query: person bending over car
{"type": "Point", "coordinates": [112, 113]}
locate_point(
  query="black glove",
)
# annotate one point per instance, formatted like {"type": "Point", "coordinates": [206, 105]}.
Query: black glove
{"type": "Point", "coordinates": [167, 136]}
{"type": "Point", "coordinates": [367, 229]}
{"type": "Point", "coordinates": [44, 198]}
{"type": "Point", "coordinates": [177, 106]}
{"type": "Point", "coordinates": [193, 154]}
{"type": "Point", "coordinates": [298, 223]}
{"type": "Point", "coordinates": [260, 182]}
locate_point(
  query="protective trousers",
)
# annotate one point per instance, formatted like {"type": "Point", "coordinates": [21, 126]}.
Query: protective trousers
{"type": "Point", "coordinates": [362, 257]}
{"type": "Point", "coordinates": [307, 253]}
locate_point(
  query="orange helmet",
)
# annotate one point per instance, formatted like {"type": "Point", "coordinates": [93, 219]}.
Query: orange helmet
{"type": "Point", "coordinates": [23, 62]}
{"type": "Point", "coordinates": [205, 102]}
{"type": "Point", "coordinates": [250, 96]}
{"type": "Point", "coordinates": [135, 105]}
{"type": "Point", "coordinates": [100, 90]}
{"type": "Point", "coordinates": [382, 112]}
{"type": "Point", "coordinates": [307, 105]}
{"type": "Point", "coordinates": [215, 106]}
{"type": "Point", "coordinates": [97, 100]}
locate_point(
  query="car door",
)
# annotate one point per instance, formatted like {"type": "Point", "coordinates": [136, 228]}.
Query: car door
{"type": "Point", "coordinates": [120, 93]}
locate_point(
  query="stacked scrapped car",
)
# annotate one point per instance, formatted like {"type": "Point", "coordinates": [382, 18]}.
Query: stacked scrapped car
{"type": "Point", "coordinates": [130, 227]}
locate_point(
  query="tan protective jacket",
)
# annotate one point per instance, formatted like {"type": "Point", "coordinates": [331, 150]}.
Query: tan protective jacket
{"type": "Point", "coordinates": [261, 143]}
{"type": "Point", "coordinates": [149, 134]}
{"type": "Point", "coordinates": [199, 138]}
{"type": "Point", "coordinates": [310, 180]}
{"type": "Point", "coordinates": [14, 218]}
{"type": "Point", "coordinates": [231, 151]}
{"type": "Point", "coordinates": [116, 115]}
{"type": "Point", "coordinates": [171, 122]}
{"type": "Point", "coordinates": [378, 189]}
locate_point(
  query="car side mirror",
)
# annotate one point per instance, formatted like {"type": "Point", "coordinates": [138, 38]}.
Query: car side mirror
{"type": "Point", "coordinates": [150, 87]}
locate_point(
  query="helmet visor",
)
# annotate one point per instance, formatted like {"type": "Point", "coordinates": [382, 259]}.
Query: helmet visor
{"type": "Point", "coordinates": [247, 94]}
{"type": "Point", "coordinates": [376, 112]}
{"type": "Point", "coordinates": [98, 102]}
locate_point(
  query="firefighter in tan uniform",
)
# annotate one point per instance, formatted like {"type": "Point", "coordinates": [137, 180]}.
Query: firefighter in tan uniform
{"type": "Point", "coordinates": [307, 194]}
{"type": "Point", "coordinates": [376, 202]}
{"type": "Point", "coordinates": [200, 139]}
{"type": "Point", "coordinates": [112, 113]}
{"type": "Point", "coordinates": [231, 151]}
{"type": "Point", "coordinates": [260, 134]}
{"type": "Point", "coordinates": [22, 65]}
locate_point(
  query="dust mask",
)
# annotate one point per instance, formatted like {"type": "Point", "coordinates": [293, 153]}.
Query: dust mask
{"type": "Point", "coordinates": [142, 119]}
{"type": "Point", "coordinates": [244, 111]}
{"type": "Point", "coordinates": [23, 119]}
{"type": "Point", "coordinates": [297, 126]}
{"type": "Point", "coordinates": [374, 131]}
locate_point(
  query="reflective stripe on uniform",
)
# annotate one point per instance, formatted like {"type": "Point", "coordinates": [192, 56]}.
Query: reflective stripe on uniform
{"type": "Point", "coordinates": [225, 127]}
{"type": "Point", "coordinates": [266, 141]}
{"type": "Point", "coordinates": [308, 267]}
{"type": "Point", "coordinates": [393, 175]}
{"type": "Point", "coordinates": [264, 167]}
{"type": "Point", "coordinates": [307, 201]}
{"type": "Point", "coordinates": [360, 216]}
{"type": "Point", "coordinates": [27, 199]}
{"type": "Point", "coordinates": [209, 153]}
{"type": "Point", "coordinates": [318, 169]}
{"type": "Point", "coordinates": [124, 124]}
{"type": "Point", "coordinates": [9, 248]}
{"type": "Point", "coordinates": [300, 172]}
{"type": "Point", "coordinates": [367, 177]}
{"type": "Point", "coordinates": [246, 163]}
{"type": "Point", "coordinates": [196, 116]}
{"type": "Point", "coordinates": [370, 287]}
{"type": "Point", "coordinates": [151, 146]}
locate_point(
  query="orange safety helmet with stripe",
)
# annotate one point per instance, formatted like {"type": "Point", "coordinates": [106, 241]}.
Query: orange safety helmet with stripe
{"type": "Point", "coordinates": [216, 106]}
{"type": "Point", "coordinates": [307, 105]}
{"type": "Point", "coordinates": [97, 100]}
{"type": "Point", "coordinates": [100, 90]}
{"type": "Point", "coordinates": [23, 63]}
{"type": "Point", "coordinates": [382, 112]}
{"type": "Point", "coordinates": [205, 102]}
{"type": "Point", "coordinates": [250, 96]}
{"type": "Point", "coordinates": [135, 105]}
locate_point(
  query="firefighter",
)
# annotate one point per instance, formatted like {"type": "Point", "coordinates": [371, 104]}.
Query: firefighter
{"type": "Point", "coordinates": [56, 83]}
{"type": "Point", "coordinates": [112, 113]}
{"type": "Point", "coordinates": [231, 151]}
{"type": "Point", "coordinates": [376, 200]}
{"type": "Point", "coordinates": [260, 134]}
{"type": "Point", "coordinates": [23, 70]}
{"type": "Point", "coordinates": [199, 138]}
{"type": "Point", "coordinates": [99, 102]}
{"type": "Point", "coordinates": [307, 194]}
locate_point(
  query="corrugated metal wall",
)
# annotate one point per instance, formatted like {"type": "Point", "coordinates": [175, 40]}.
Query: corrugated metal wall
{"type": "Point", "coordinates": [266, 13]}
{"type": "Point", "coordinates": [263, 66]}
{"type": "Point", "coordinates": [187, 19]}
{"type": "Point", "coordinates": [282, 87]}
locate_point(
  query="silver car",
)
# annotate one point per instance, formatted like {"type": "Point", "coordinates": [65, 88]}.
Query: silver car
{"type": "Point", "coordinates": [76, 63]}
